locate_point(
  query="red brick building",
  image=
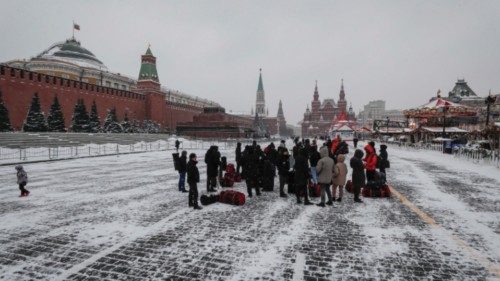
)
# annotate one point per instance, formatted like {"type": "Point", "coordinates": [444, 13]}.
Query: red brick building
{"type": "Point", "coordinates": [54, 73]}
{"type": "Point", "coordinates": [319, 119]}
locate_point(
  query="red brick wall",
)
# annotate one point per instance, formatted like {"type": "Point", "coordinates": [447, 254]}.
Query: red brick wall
{"type": "Point", "coordinates": [17, 93]}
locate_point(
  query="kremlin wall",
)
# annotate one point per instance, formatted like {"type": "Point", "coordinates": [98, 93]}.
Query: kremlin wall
{"type": "Point", "coordinates": [71, 72]}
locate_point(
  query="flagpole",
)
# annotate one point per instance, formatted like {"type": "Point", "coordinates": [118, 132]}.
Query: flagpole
{"type": "Point", "coordinates": [73, 29]}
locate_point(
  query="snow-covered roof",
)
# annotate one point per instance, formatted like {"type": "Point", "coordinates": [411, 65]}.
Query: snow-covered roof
{"type": "Point", "coordinates": [447, 130]}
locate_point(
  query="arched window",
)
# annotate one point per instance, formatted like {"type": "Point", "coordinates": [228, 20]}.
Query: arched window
{"type": "Point", "coordinates": [21, 73]}
{"type": "Point", "coordinates": [31, 76]}
{"type": "Point", "coordinates": [47, 79]}
{"type": "Point", "coordinates": [39, 78]}
{"type": "Point", "coordinates": [2, 70]}
{"type": "Point", "coordinates": [12, 72]}
{"type": "Point", "coordinates": [61, 81]}
{"type": "Point", "coordinates": [54, 80]}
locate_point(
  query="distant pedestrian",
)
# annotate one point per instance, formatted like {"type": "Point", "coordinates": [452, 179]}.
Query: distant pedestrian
{"type": "Point", "coordinates": [182, 165]}
{"type": "Point", "coordinates": [384, 158]}
{"type": "Point", "coordinates": [22, 180]}
{"type": "Point", "coordinates": [193, 178]}
{"type": "Point", "coordinates": [355, 142]}
{"type": "Point", "coordinates": [238, 157]}
{"type": "Point", "coordinates": [177, 144]}
{"type": "Point", "coordinates": [325, 173]}
{"type": "Point", "coordinates": [358, 174]}
{"type": "Point", "coordinates": [339, 177]}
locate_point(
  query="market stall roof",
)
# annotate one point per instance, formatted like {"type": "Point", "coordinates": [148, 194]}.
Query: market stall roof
{"type": "Point", "coordinates": [344, 128]}
{"type": "Point", "coordinates": [440, 139]}
{"type": "Point", "coordinates": [433, 109]}
{"type": "Point", "coordinates": [447, 130]}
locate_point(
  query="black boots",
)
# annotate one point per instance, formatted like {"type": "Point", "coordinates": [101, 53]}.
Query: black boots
{"type": "Point", "coordinates": [320, 204]}
{"type": "Point", "coordinates": [330, 203]}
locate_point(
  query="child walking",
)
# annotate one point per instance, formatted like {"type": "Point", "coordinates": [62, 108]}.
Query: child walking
{"type": "Point", "coordinates": [22, 180]}
{"type": "Point", "coordinates": [339, 177]}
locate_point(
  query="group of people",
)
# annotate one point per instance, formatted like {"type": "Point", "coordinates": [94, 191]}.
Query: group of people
{"type": "Point", "coordinates": [304, 165]}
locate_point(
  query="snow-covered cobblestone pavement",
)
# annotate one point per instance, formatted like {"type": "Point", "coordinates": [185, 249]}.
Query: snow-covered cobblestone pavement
{"type": "Point", "coordinates": [122, 218]}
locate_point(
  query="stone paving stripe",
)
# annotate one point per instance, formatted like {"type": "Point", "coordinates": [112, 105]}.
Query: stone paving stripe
{"type": "Point", "coordinates": [155, 227]}
{"type": "Point", "coordinates": [462, 244]}
{"type": "Point", "coordinates": [298, 268]}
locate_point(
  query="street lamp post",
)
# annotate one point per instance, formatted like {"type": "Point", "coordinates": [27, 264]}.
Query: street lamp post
{"type": "Point", "coordinates": [387, 124]}
{"type": "Point", "coordinates": [489, 101]}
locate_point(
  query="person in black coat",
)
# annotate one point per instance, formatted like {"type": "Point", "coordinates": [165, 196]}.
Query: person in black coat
{"type": "Point", "coordinates": [193, 178]}
{"type": "Point", "coordinates": [283, 169]}
{"type": "Point", "coordinates": [182, 171]}
{"type": "Point", "coordinates": [301, 176]}
{"type": "Point", "coordinates": [358, 173]}
{"type": "Point", "coordinates": [212, 159]}
{"type": "Point", "coordinates": [384, 158]}
{"type": "Point", "coordinates": [268, 174]}
{"type": "Point", "coordinates": [251, 169]}
{"type": "Point", "coordinates": [238, 157]}
{"type": "Point", "coordinates": [177, 143]}
{"type": "Point", "coordinates": [355, 142]}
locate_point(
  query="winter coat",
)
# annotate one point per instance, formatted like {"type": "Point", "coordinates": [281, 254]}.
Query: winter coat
{"type": "Point", "coordinates": [212, 159]}
{"type": "Point", "coordinates": [182, 168]}
{"type": "Point", "coordinates": [301, 170]}
{"type": "Point", "coordinates": [383, 157]}
{"type": "Point", "coordinates": [193, 175]}
{"type": "Point", "coordinates": [334, 145]}
{"type": "Point", "coordinates": [358, 169]}
{"type": "Point", "coordinates": [314, 156]}
{"type": "Point", "coordinates": [340, 174]}
{"type": "Point", "coordinates": [283, 163]}
{"type": "Point", "coordinates": [238, 154]}
{"type": "Point", "coordinates": [22, 176]}
{"type": "Point", "coordinates": [370, 159]}
{"type": "Point", "coordinates": [324, 168]}
{"type": "Point", "coordinates": [343, 148]}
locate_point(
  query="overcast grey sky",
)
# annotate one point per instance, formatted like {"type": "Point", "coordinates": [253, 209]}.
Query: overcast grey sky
{"type": "Point", "coordinates": [399, 51]}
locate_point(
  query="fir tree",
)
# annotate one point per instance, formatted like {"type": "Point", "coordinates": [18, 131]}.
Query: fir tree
{"type": "Point", "coordinates": [80, 121]}
{"type": "Point", "coordinates": [95, 123]}
{"type": "Point", "coordinates": [127, 128]}
{"type": "Point", "coordinates": [35, 121]}
{"type": "Point", "coordinates": [55, 120]}
{"type": "Point", "coordinates": [4, 117]}
{"type": "Point", "coordinates": [150, 127]}
{"type": "Point", "coordinates": [111, 124]}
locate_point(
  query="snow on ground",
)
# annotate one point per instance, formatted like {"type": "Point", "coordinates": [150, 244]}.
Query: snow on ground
{"type": "Point", "coordinates": [122, 218]}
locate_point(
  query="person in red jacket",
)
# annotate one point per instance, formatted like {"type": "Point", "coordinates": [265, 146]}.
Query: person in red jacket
{"type": "Point", "coordinates": [370, 161]}
{"type": "Point", "coordinates": [335, 145]}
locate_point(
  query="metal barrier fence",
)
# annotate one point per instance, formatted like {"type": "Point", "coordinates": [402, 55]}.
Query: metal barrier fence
{"type": "Point", "coordinates": [9, 155]}
{"type": "Point", "coordinates": [484, 156]}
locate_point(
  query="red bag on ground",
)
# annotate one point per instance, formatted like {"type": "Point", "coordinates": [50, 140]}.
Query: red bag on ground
{"type": "Point", "coordinates": [385, 191]}
{"type": "Point", "coordinates": [237, 178]}
{"type": "Point", "coordinates": [228, 180]}
{"type": "Point", "coordinates": [230, 169]}
{"type": "Point", "coordinates": [366, 192]}
{"type": "Point", "coordinates": [232, 197]}
{"type": "Point", "coordinates": [349, 187]}
{"type": "Point", "coordinates": [314, 189]}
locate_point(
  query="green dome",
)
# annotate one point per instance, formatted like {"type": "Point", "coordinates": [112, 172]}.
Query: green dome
{"type": "Point", "coordinates": [72, 51]}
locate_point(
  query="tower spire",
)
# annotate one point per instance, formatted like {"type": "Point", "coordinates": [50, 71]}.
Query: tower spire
{"type": "Point", "coordinates": [260, 103]}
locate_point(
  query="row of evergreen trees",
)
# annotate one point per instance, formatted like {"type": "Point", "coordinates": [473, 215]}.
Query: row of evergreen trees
{"type": "Point", "coordinates": [81, 121]}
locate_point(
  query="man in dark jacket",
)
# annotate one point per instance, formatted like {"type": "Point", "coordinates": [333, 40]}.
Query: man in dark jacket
{"type": "Point", "coordinates": [358, 174]}
{"type": "Point", "coordinates": [301, 176]}
{"type": "Point", "coordinates": [355, 142]}
{"type": "Point", "coordinates": [177, 143]}
{"type": "Point", "coordinates": [251, 168]}
{"type": "Point", "coordinates": [283, 169]}
{"type": "Point", "coordinates": [193, 178]}
{"type": "Point", "coordinates": [384, 158]}
{"type": "Point", "coordinates": [238, 157]}
{"type": "Point", "coordinates": [212, 159]}
{"type": "Point", "coordinates": [182, 171]}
